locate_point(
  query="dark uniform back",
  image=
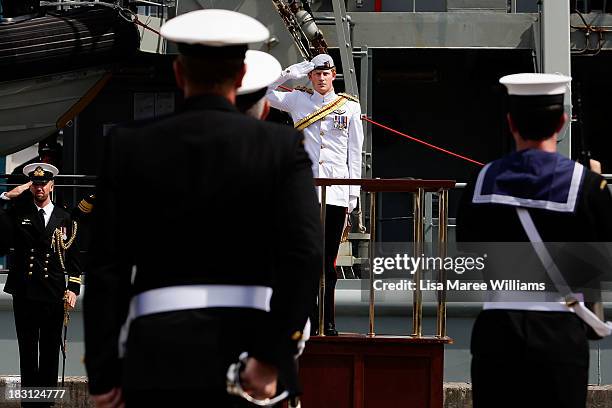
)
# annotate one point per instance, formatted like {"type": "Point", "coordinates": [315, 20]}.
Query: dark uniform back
{"type": "Point", "coordinates": [239, 208]}
{"type": "Point", "coordinates": [544, 355]}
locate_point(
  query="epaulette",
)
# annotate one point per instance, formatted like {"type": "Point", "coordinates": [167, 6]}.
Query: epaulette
{"type": "Point", "coordinates": [86, 204]}
{"type": "Point", "coordinates": [349, 97]}
{"type": "Point", "coordinates": [304, 89]}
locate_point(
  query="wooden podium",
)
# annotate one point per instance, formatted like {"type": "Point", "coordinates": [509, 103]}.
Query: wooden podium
{"type": "Point", "coordinates": [378, 371]}
{"type": "Point", "coordinates": [357, 371]}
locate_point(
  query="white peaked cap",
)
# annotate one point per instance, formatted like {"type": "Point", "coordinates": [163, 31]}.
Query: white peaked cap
{"type": "Point", "coordinates": [214, 27]}
{"type": "Point", "coordinates": [44, 166]}
{"type": "Point", "coordinates": [535, 84]}
{"type": "Point", "coordinates": [261, 70]}
{"type": "Point", "coordinates": [323, 61]}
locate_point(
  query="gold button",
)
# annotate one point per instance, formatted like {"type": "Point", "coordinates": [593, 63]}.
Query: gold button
{"type": "Point", "coordinates": [46, 262]}
{"type": "Point", "coordinates": [31, 258]}
{"type": "Point", "coordinates": [31, 265]}
{"type": "Point", "coordinates": [32, 250]}
{"type": "Point", "coordinates": [322, 133]}
{"type": "Point", "coordinates": [45, 269]}
{"type": "Point", "coordinates": [29, 273]}
{"type": "Point", "coordinates": [321, 162]}
{"type": "Point", "coordinates": [46, 276]}
{"type": "Point", "coordinates": [322, 146]}
{"type": "Point", "coordinates": [48, 255]}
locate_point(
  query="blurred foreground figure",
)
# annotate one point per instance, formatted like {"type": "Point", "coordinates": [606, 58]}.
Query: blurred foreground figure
{"type": "Point", "coordinates": [177, 285]}
{"type": "Point", "coordinates": [538, 349]}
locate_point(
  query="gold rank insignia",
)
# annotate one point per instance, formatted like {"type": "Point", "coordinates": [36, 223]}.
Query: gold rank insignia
{"type": "Point", "coordinates": [349, 96]}
{"type": "Point", "coordinates": [39, 172]}
{"type": "Point", "coordinates": [304, 89]}
{"type": "Point", "coordinates": [85, 206]}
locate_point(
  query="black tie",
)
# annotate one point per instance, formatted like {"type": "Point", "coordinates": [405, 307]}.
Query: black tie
{"type": "Point", "coordinates": [41, 216]}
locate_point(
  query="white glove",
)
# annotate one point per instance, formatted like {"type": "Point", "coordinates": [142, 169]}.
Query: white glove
{"type": "Point", "coordinates": [352, 203]}
{"type": "Point", "coordinates": [301, 345]}
{"type": "Point", "coordinates": [297, 71]}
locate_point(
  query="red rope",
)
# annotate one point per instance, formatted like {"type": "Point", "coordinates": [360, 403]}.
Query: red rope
{"type": "Point", "coordinates": [364, 117]}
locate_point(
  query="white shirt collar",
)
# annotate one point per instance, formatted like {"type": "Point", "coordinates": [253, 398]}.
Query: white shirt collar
{"type": "Point", "coordinates": [324, 99]}
{"type": "Point", "coordinates": [48, 210]}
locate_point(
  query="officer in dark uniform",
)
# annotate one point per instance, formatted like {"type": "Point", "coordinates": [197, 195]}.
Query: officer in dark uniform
{"type": "Point", "coordinates": [188, 286]}
{"type": "Point", "coordinates": [43, 238]}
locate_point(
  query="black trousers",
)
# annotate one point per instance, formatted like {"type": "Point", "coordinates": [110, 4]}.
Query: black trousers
{"type": "Point", "coordinates": [529, 359]}
{"type": "Point", "coordinates": [39, 334]}
{"type": "Point", "coordinates": [334, 224]}
{"type": "Point", "coordinates": [505, 381]}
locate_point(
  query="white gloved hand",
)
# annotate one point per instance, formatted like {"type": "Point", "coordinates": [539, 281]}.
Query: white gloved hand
{"type": "Point", "coordinates": [352, 203]}
{"type": "Point", "coordinates": [299, 70]}
{"type": "Point", "coordinates": [301, 344]}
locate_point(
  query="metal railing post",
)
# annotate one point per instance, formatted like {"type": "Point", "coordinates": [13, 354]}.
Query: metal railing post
{"type": "Point", "coordinates": [371, 256]}
{"type": "Point", "coordinates": [417, 301]}
{"type": "Point", "coordinates": [442, 250]}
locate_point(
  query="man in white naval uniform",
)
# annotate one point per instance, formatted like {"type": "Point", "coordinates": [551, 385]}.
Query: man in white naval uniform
{"type": "Point", "coordinates": [333, 137]}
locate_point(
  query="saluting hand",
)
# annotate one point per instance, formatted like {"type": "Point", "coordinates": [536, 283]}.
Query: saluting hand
{"type": "Point", "coordinates": [259, 379]}
{"type": "Point", "coordinates": [299, 70]}
{"type": "Point", "coordinates": [70, 299]}
{"type": "Point", "coordinates": [112, 399]}
{"type": "Point", "coordinates": [16, 192]}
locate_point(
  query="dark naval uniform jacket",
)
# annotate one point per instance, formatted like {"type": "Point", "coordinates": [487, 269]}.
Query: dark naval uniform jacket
{"type": "Point", "coordinates": [36, 272]}
{"type": "Point", "coordinates": [241, 209]}
{"type": "Point", "coordinates": [547, 350]}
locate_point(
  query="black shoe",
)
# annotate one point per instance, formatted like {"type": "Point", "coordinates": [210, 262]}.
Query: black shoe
{"type": "Point", "coordinates": [330, 330]}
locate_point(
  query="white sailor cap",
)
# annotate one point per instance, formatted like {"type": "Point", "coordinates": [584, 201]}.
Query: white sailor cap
{"type": "Point", "coordinates": [261, 70]}
{"type": "Point", "coordinates": [40, 173]}
{"type": "Point", "coordinates": [530, 84]}
{"type": "Point", "coordinates": [214, 32]}
{"type": "Point", "coordinates": [323, 61]}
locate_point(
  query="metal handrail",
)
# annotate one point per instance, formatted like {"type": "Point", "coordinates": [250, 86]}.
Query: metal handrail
{"type": "Point", "coordinates": [418, 188]}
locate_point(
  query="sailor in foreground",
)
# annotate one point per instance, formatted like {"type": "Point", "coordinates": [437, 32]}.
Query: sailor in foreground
{"type": "Point", "coordinates": [537, 349]}
{"type": "Point", "coordinates": [43, 237]}
{"type": "Point", "coordinates": [261, 70]}
{"type": "Point", "coordinates": [333, 135]}
{"type": "Point", "coordinates": [188, 287]}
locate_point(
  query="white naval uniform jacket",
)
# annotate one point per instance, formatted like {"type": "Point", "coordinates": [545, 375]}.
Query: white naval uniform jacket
{"type": "Point", "coordinates": [333, 143]}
